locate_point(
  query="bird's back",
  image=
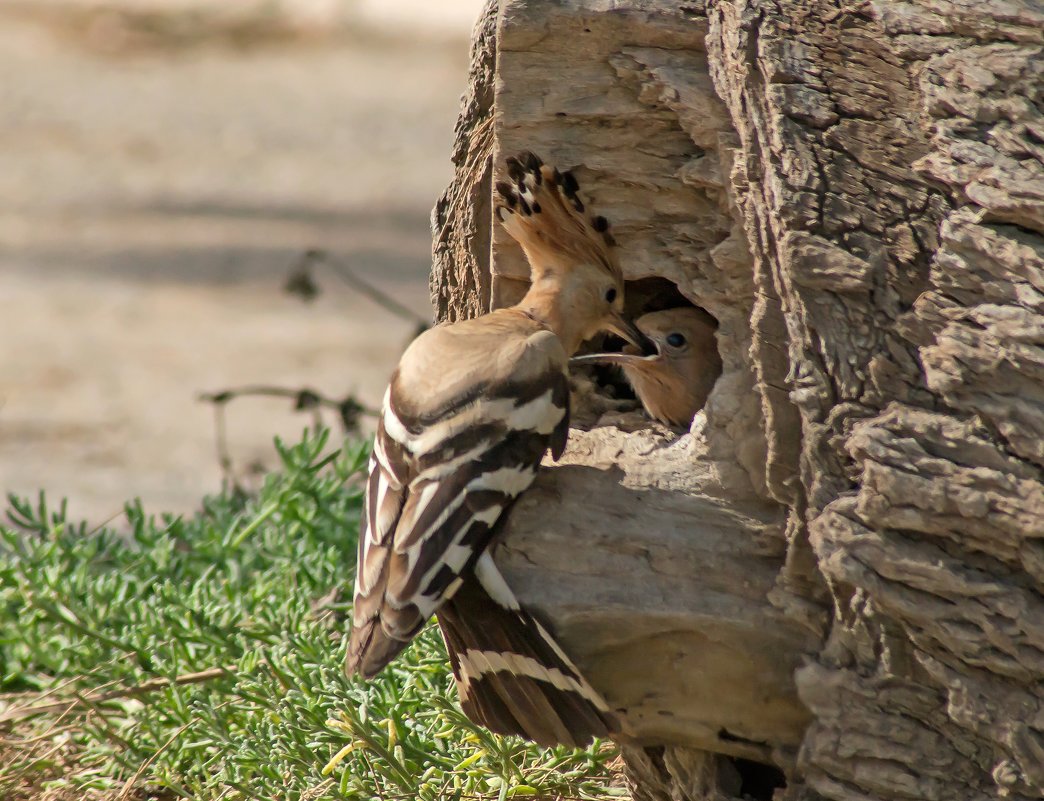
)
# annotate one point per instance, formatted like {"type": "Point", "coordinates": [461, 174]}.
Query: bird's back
{"type": "Point", "coordinates": [467, 417]}
{"type": "Point", "coordinates": [459, 360]}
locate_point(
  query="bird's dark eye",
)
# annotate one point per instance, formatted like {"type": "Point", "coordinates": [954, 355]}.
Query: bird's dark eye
{"type": "Point", "coordinates": [610, 295]}
{"type": "Point", "coordinates": [675, 340]}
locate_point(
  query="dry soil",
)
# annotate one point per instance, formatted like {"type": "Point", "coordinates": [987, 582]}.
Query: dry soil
{"type": "Point", "coordinates": [152, 198]}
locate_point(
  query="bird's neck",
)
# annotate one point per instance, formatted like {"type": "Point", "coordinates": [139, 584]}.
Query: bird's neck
{"type": "Point", "coordinates": [544, 302]}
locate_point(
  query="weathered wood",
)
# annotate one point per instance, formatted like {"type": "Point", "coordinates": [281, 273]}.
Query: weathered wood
{"type": "Point", "coordinates": [462, 218]}
{"type": "Point", "coordinates": [704, 663]}
{"type": "Point", "coordinates": [856, 193]}
{"type": "Point", "coordinates": [903, 139]}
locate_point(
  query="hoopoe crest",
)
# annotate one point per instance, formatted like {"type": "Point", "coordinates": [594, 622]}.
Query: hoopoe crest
{"type": "Point", "coordinates": [471, 410]}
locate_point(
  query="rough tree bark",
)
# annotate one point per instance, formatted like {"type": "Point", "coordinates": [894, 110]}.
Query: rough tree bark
{"type": "Point", "coordinates": [838, 572]}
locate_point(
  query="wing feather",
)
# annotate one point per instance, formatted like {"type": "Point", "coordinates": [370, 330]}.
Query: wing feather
{"type": "Point", "coordinates": [438, 485]}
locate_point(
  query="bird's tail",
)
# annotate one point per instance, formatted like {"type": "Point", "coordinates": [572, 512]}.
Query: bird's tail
{"type": "Point", "coordinates": [541, 209]}
{"type": "Point", "coordinates": [512, 677]}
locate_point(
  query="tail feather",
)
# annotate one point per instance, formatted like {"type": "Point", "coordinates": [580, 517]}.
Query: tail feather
{"type": "Point", "coordinates": [512, 676]}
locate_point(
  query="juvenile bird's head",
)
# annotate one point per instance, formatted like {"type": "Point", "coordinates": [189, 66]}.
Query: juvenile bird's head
{"type": "Point", "coordinates": [672, 384]}
{"type": "Point", "coordinates": [577, 286]}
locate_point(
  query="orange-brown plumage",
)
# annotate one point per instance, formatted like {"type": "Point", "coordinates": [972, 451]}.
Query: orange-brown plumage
{"type": "Point", "coordinates": [674, 383]}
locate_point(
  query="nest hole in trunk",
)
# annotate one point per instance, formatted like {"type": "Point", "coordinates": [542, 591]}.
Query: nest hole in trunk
{"type": "Point", "coordinates": [603, 389]}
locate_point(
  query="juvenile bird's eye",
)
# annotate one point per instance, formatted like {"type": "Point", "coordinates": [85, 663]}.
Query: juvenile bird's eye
{"type": "Point", "coordinates": [610, 294]}
{"type": "Point", "coordinates": [675, 340]}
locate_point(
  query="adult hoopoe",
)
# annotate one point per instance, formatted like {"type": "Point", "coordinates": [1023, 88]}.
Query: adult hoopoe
{"type": "Point", "coordinates": [672, 384]}
{"type": "Point", "coordinates": [469, 413]}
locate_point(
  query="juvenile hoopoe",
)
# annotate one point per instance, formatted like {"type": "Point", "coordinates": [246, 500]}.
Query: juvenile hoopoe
{"type": "Point", "coordinates": [672, 384]}
{"type": "Point", "coordinates": [469, 413]}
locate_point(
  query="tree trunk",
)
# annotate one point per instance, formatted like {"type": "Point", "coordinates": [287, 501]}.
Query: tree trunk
{"type": "Point", "coordinates": [838, 572]}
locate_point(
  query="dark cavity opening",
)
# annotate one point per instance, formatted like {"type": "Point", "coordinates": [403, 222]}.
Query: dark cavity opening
{"type": "Point", "coordinates": [642, 297]}
{"type": "Point", "coordinates": [758, 781]}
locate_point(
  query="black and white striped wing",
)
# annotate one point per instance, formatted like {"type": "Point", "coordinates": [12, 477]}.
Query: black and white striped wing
{"type": "Point", "coordinates": [438, 485]}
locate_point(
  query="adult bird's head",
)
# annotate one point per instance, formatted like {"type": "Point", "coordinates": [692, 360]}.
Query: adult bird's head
{"type": "Point", "coordinates": [576, 285]}
{"type": "Point", "coordinates": [673, 383]}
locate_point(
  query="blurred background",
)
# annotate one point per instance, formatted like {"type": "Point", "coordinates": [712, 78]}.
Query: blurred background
{"type": "Point", "coordinates": [164, 164]}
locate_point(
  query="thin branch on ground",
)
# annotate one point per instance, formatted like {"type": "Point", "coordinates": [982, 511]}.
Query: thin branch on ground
{"type": "Point", "coordinates": [91, 699]}
{"type": "Point", "coordinates": [301, 282]}
{"type": "Point", "coordinates": [349, 412]}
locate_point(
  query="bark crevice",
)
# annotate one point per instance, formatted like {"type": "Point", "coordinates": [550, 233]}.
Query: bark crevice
{"type": "Point", "coordinates": [856, 194]}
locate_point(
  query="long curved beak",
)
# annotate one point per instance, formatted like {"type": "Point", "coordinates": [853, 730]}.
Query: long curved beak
{"type": "Point", "coordinates": [623, 327]}
{"type": "Point", "coordinates": [645, 349]}
{"type": "Point", "coordinates": [612, 358]}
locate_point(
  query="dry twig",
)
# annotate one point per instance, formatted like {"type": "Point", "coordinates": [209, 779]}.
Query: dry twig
{"type": "Point", "coordinates": [301, 282]}
{"type": "Point", "coordinates": [91, 699]}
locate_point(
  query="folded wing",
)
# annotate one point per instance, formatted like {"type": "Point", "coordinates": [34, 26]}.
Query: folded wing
{"type": "Point", "coordinates": [445, 466]}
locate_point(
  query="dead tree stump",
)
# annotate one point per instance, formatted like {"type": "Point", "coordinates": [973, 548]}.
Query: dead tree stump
{"type": "Point", "coordinates": [833, 583]}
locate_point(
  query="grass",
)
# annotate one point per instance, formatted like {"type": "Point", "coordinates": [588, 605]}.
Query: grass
{"type": "Point", "coordinates": [202, 658]}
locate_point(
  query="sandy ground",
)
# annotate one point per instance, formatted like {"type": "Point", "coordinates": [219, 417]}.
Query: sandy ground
{"type": "Point", "coordinates": [151, 202]}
